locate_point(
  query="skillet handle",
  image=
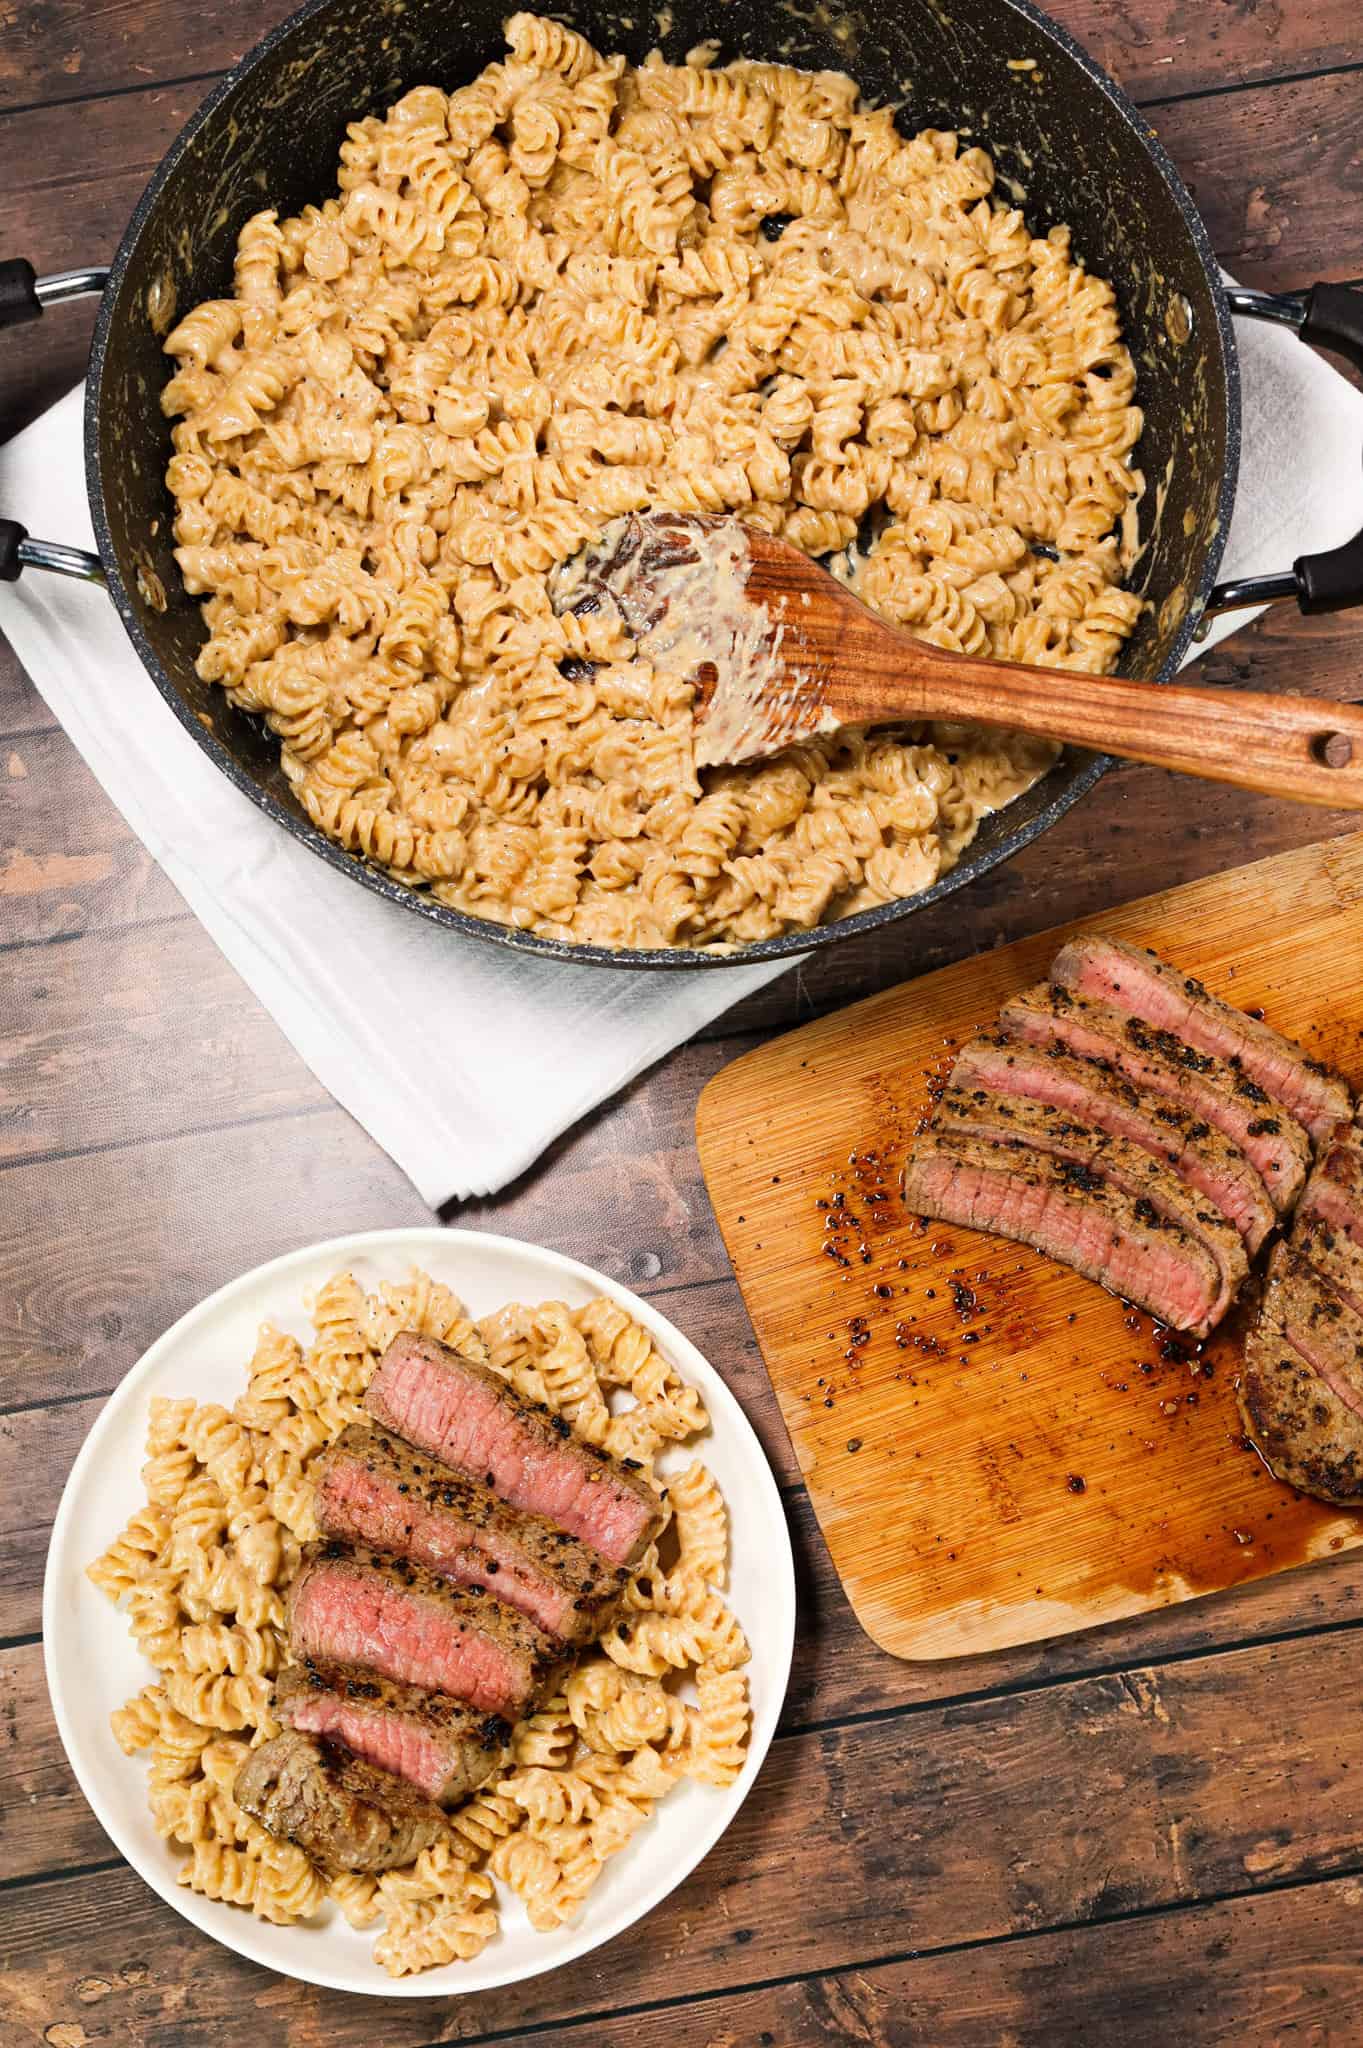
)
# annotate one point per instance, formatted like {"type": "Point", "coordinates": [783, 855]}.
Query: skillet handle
{"type": "Point", "coordinates": [19, 299]}
{"type": "Point", "coordinates": [18, 552]}
{"type": "Point", "coordinates": [1331, 317]}
{"type": "Point", "coordinates": [23, 294]}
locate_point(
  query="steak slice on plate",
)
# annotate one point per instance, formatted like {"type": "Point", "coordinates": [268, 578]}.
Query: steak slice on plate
{"type": "Point", "coordinates": [1270, 1137]}
{"type": "Point", "coordinates": [444, 1747]}
{"type": "Point", "coordinates": [1300, 1390]}
{"type": "Point", "coordinates": [1199, 1153]}
{"type": "Point", "coordinates": [374, 1489]}
{"type": "Point", "coordinates": [357, 1607]}
{"type": "Point", "coordinates": [1140, 984]}
{"type": "Point", "coordinates": [1070, 1212]}
{"type": "Point", "coordinates": [462, 1412]}
{"type": "Point", "coordinates": [1019, 1126]}
{"type": "Point", "coordinates": [345, 1814]}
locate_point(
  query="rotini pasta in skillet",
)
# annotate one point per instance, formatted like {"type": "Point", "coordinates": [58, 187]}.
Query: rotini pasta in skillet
{"type": "Point", "coordinates": [572, 289]}
{"type": "Point", "coordinates": [204, 1568]}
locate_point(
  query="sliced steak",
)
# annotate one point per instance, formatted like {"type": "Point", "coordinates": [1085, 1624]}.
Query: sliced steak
{"type": "Point", "coordinates": [1020, 1126]}
{"type": "Point", "coordinates": [1070, 1212]}
{"type": "Point", "coordinates": [356, 1607]}
{"type": "Point", "coordinates": [1331, 1252]}
{"type": "Point", "coordinates": [343, 1812]}
{"type": "Point", "coordinates": [444, 1747]}
{"type": "Point", "coordinates": [374, 1489]}
{"type": "Point", "coordinates": [1199, 1153]}
{"type": "Point", "coordinates": [1335, 1190]}
{"type": "Point", "coordinates": [1140, 984]}
{"type": "Point", "coordinates": [1300, 1391]}
{"type": "Point", "coordinates": [460, 1411]}
{"type": "Point", "coordinates": [1270, 1137]}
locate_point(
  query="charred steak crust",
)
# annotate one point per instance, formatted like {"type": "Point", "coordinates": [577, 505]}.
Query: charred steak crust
{"type": "Point", "coordinates": [1068, 1210]}
{"type": "Point", "coordinates": [1022, 1126]}
{"type": "Point", "coordinates": [376, 1490]}
{"type": "Point", "coordinates": [1334, 1255]}
{"type": "Point", "coordinates": [353, 1606]}
{"type": "Point", "coordinates": [1335, 1190]}
{"type": "Point", "coordinates": [1200, 1154]}
{"type": "Point", "coordinates": [346, 1814]}
{"type": "Point", "coordinates": [1273, 1141]}
{"type": "Point", "coordinates": [443, 1746]}
{"type": "Point", "coordinates": [1140, 984]}
{"type": "Point", "coordinates": [1300, 1391]}
{"type": "Point", "coordinates": [459, 1410]}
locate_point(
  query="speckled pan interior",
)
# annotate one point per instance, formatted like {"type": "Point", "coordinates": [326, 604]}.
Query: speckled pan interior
{"type": "Point", "coordinates": [1065, 140]}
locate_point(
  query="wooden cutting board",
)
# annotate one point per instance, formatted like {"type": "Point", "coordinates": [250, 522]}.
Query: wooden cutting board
{"type": "Point", "coordinates": [997, 1450]}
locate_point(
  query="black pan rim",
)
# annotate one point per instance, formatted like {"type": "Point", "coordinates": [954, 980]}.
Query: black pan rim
{"type": "Point", "coordinates": [1077, 774]}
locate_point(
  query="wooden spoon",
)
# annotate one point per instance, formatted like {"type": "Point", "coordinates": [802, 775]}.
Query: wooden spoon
{"type": "Point", "coordinates": [780, 650]}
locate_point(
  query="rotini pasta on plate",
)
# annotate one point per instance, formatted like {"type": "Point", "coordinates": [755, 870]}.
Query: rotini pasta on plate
{"type": "Point", "coordinates": [571, 289]}
{"type": "Point", "coordinates": [203, 1570]}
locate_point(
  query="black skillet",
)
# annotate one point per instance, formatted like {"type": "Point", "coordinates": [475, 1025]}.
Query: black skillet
{"type": "Point", "coordinates": [1060, 132]}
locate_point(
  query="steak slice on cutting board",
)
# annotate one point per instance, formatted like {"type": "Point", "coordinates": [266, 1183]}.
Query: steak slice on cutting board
{"type": "Point", "coordinates": [462, 1412]}
{"type": "Point", "coordinates": [345, 1814]}
{"type": "Point", "coordinates": [1335, 1190]}
{"type": "Point", "coordinates": [357, 1607]}
{"type": "Point", "coordinates": [1020, 1126]}
{"type": "Point", "coordinates": [1270, 1137]}
{"type": "Point", "coordinates": [1140, 984]}
{"type": "Point", "coordinates": [1200, 1154]}
{"type": "Point", "coordinates": [1300, 1390]}
{"type": "Point", "coordinates": [443, 1746]}
{"type": "Point", "coordinates": [1070, 1212]}
{"type": "Point", "coordinates": [1334, 1255]}
{"type": "Point", "coordinates": [376, 1490]}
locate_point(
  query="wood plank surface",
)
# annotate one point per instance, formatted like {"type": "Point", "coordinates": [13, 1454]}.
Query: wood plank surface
{"type": "Point", "coordinates": [67, 859]}
{"type": "Point", "coordinates": [66, 50]}
{"type": "Point", "coordinates": [116, 1245]}
{"type": "Point", "coordinates": [996, 1449]}
{"type": "Point", "coordinates": [1261, 1970]}
{"type": "Point", "coordinates": [956, 1825]}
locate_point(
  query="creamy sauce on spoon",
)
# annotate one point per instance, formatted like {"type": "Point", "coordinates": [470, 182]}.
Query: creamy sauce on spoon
{"type": "Point", "coordinates": [678, 584]}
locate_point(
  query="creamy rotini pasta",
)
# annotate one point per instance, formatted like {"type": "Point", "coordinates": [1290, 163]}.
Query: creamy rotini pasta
{"type": "Point", "coordinates": [572, 289]}
{"type": "Point", "coordinates": [203, 1569]}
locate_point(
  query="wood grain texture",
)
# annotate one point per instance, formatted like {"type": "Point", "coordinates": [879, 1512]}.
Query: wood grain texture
{"type": "Point", "coordinates": [1255, 1971]}
{"type": "Point", "coordinates": [996, 1450]}
{"type": "Point", "coordinates": [188, 1042]}
{"type": "Point", "coordinates": [104, 1250]}
{"type": "Point", "coordinates": [1277, 204]}
{"type": "Point", "coordinates": [961, 1824]}
{"type": "Point", "coordinates": [65, 50]}
{"type": "Point", "coordinates": [67, 859]}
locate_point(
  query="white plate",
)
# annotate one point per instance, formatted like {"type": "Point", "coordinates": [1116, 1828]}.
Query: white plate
{"type": "Point", "coordinates": [93, 1665]}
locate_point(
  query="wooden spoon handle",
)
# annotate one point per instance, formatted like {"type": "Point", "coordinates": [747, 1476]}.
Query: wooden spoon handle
{"type": "Point", "coordinates": [1307, 748]}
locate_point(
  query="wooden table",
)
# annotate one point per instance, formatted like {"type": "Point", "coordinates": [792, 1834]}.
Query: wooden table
{"type": "Point", "coordinates": [1150, 1834]}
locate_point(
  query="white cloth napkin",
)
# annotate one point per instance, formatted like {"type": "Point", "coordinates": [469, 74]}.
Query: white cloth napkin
{"type": "Point", "coordinates": [462, 1060]}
